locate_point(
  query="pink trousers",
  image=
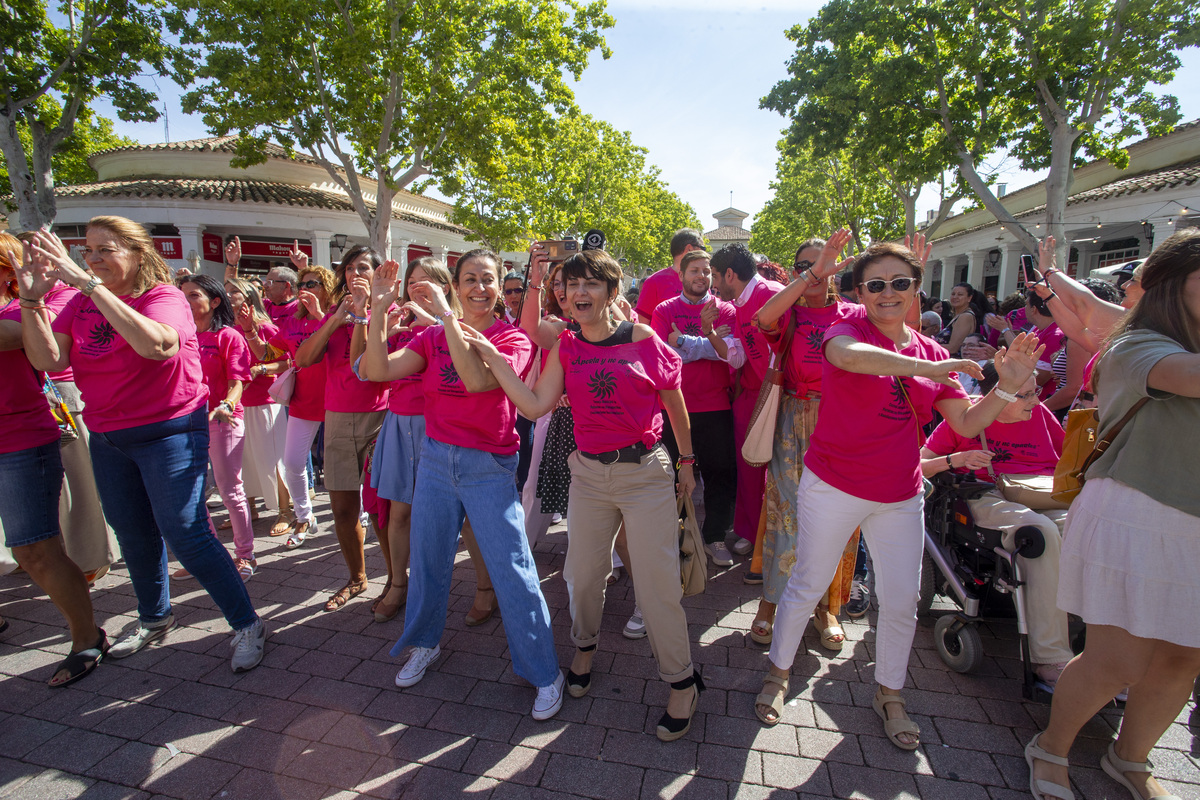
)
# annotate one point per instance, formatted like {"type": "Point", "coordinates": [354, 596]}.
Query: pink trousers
{"type": "Point", "coordinates": [751, 481]}
{"type": "Point", "coordinates": [225, 441]}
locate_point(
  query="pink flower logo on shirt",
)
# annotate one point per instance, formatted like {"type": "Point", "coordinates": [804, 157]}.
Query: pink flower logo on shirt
{"type": "Point", "coordinates": [102, 336]}
{"type": "Point", "coordinates": [602, 384]}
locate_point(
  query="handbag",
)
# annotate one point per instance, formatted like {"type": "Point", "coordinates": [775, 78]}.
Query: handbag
{"type": "Point", "coordinates": [760, 433]}
{"type": "Point", "coordinates": [1035, 492]}
{"type": "Point", "coordinates": [281, 390]}
{"type": "Point", "coordinates": [68, 431]}
{"type": "Point", "coordinates": [693, 560]}
{"type": "Point", "coordinates": [1082, 446]}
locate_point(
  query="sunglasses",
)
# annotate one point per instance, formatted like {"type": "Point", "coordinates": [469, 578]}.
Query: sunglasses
{"type": "Point", "coordinates": [800, 266]}
{"type": "Point", "coordinates": [310, 284]}
{"type": "Point", "coordinates": [1026, 396]}
{"type": "Point", "coordinates": [517, 290]}
{"type": "Point", "coordinates": [899, 284]}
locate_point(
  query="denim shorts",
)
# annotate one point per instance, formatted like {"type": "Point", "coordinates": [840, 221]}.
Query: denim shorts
{"type": "Point", "coordinates": [30, 483]}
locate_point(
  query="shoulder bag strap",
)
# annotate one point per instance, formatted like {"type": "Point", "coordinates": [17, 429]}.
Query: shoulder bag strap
{"type": "Point", "coordinates": [912, 408]}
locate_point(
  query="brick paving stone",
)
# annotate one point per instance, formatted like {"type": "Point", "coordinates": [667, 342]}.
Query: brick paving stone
{"type": "Point", "coordinates": [14, 774]}
{"type": "Point", "coordinates": [559, 736]}
{"type": "Point", "coordinates": [444, 750]}
{"type": "Point", "coordinates": [339, 767]}
{"type": "Point", "coordinates": [130, 763]}
{"type": "Point", "coordinates": [801, 774]}
{"type": "Point", "coordinates": [636, 749]}
{"type": "Point", "coordinates": [21, 734]}
{"type": "Point", "coordinates": [592, 777]}
{"type": "Point", "coordinates": [830, 745]}
{"type": "Point", "coordinates": [746, 791]}
{"type": "Point", "coordinates": [187, 732]}
{"type": "Point", "coordinates": [199, 699]}
{"type": "Point", "coordinates": [53, 784]}
{"type": "Point", "coordinates": [259, 785]}
{"type": "Point", "coordinates": [851, 781]}
{"type": "Point", "coordinates": [334, 695]}
{"type": "Point", "coordinates": [482, 723]}
{"type": "Point", "coordinates": [731, 764]}
{"type": "Point", "coordinates": [129, 720]}
{"type": "Point", "coordinates": [959, 764]}
{"type": "Point", "coordinates": [190, 777]}
{"type": "Point", "coordinates": [324, 664]}
{"type": "Point", "coordinates": [102, 790]}
{"type": "Point", "coordinates": [508, 764]}
{"type": "Point", "coordinates": [672, 785]}
{"type": "Point", "coordinates": [73, 750]}
{"type": "Point", "coordinates": [365, 734]}
{"type": "Point", "coordinates": [942, 789]}
{"type": "Point", "coordinates": [257, 748]}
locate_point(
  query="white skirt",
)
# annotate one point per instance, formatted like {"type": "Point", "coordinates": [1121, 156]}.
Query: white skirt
{"type": "Point", "coordinates": [1132, 562]}
{"type": "Point", "coordinates": [262, 456]}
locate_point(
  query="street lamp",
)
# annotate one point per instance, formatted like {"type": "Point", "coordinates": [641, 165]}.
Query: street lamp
{"type": "Point", "coordinates": [339, 241]}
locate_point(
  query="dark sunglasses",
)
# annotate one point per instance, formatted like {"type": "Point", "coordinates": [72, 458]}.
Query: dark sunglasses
{"type": "Point", "coordinates": [899, 284]}
{"type": "Point", "coordinates": [517, 290]}
{"type": "Point", "coordinates": [310, 284]}
{"type": "Point", "coordinates": [800, 266]}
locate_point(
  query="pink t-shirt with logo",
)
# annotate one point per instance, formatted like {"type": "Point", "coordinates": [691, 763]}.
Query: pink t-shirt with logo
{"type": "Point", "coordinates": [407, 395]}
{"type": "Point", "coordinates": [120, 388]}
{"type": "Point", "coordinates": [806, 358]}
{"type": "Point", "coordinates": [25, 419]}
{"type": "Point", "coordinates": [282, 310]}
{"type": "Point", "coordinates": [479, 420]}
{"type": "Point", "coordinates": [659, 287]}
{"type": "Point", "coordinates": [758, 349]}
{"type": "Point", "coordinates": [224, 357]}
{"type": "Point", "coordinates": [344, 392]}
{"type": "Point", "coordinates": [867, 442]}
{"type": "Point", "coordinates": [614, 390]}
{"type": "Point", "coordinates": [705, 382]}
{"type": "Point", "coordinates": [308, 393]}
{"type": "Point", "coordinates": [1028, 447]}
{"type": "Point", "coordinates": [255, 392]}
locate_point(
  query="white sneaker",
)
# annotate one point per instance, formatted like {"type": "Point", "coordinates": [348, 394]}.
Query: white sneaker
{"type": "Point", "coordinates": [549, 699]}
{"type": "Point", "coordinates": [636, 627]}
{"type": "Point", "coordinates": [412, 672]}
{"type": "Point", "coordinates": [719, 554]}
{"type": "Point", "coordinates": [248, 646]}
{"type": "Point", "coordinates": [139, 636]}
{"type": "Point", "coordinates": [743, 547]}
{"type": "Point", "coordinates": [556, 518]}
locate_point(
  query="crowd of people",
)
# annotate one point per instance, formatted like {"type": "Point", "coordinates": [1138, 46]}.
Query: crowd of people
{"type": "Point", "coordinates": [459, 403]}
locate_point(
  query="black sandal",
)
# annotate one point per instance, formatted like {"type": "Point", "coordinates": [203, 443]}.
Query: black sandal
{"type": "Point", "coordinates": [579, 685]}
{"type": "Point", "coordinates": [672, 728]}
{"type": "Point", "coordinates": [79, 665]}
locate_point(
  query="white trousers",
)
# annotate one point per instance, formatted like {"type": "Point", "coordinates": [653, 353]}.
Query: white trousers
{"type": "Point", "coordinates": [262, 457]}
{"type": "Point", "coordinates": [300, 435]}
{"type": "Point", "coordinates": [894, 532]}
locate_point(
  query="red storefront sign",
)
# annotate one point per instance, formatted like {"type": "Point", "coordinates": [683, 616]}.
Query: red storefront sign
{"type": "Point", "coordinates": [167, 246]}
{"type": "Point", "coordinates": [214, 249]}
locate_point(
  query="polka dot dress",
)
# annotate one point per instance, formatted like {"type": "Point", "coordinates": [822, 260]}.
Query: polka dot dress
{"type": "Point", "coordinates": [554, 477]}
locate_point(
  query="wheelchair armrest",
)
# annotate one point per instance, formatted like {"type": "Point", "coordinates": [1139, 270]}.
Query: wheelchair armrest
{"type": "Point", "coordinates": [969, 488]}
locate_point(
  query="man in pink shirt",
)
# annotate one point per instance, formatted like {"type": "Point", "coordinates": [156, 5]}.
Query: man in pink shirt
{"type": "Point", "coordinates": [665, 284]}
{"type": "Point", "coordinates": [281, 284]}
{"type": "Point", "coordinates": [736, 280]}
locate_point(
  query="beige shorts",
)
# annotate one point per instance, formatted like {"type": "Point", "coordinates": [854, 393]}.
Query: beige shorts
{"type": "Point", "coordinates": [349, 437]}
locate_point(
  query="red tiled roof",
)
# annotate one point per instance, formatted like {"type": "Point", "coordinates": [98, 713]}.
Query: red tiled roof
{"type": "Point", "coordinates": [211, 144]}
{"type": "Point", "coordinates": [237, 192]}
{"type": "Point", "coordinates": [727, 233]}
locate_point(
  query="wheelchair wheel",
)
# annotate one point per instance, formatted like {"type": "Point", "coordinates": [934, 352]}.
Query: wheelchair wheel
{"type": "Point", "coordinates": [929, 584]}
{"type": "Point", "coordinates": [958, 644]}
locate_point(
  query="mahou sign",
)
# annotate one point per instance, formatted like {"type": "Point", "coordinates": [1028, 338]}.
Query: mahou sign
{"type": "Point", "coordinates": [214, 249]}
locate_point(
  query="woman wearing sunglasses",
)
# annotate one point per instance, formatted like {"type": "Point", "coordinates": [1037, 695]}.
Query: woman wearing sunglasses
{"type": "Point", "coordinates": [880, 383]}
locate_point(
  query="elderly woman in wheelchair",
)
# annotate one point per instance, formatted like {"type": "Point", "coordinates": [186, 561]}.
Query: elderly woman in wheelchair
{"type": "Point", "coordinates": [1018, 453]}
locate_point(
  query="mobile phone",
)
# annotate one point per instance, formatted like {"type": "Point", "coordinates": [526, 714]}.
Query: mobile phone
{"type": "Point", "coordinates": [1026, 267]}
{"type": "Point", "coordinates": [560, 249]}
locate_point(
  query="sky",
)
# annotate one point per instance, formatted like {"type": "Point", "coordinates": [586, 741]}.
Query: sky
{"type": "Point", "coordinates": [685, 79]}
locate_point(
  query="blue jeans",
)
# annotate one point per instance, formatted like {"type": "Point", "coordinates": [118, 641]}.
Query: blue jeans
{"type": "Point", "coordinates": [151, 484]}
{"type": "Point", "coordinates": [453, 483]}
{"type": "Point", "coordinates": [30, 484]}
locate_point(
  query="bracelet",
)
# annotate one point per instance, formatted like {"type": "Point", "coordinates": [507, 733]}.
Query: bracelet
{"type": "Point", "coordinates": [1052, 296]}
{"type": "Point", "coordinates": [227, 404]}
{"type": "Point", "coordinates": [28, 299]}
{"type": "Point", "coordinates": [449, 312]}
{"type": "Point", "coordinates": [1006, 330]}
{"type": "Point", "coordinates": [949, 463]}
{"type": "Point", "coordinates": [234, 264]}
{"type": "Point", "coordinates": [1007, 397]}
{"type": "Point", "coordinates": [90, 287]}
{"type": "Point", "coordinates": [686, 461]}
{"type": "Point", "coordinates": [36, 304]}
{"type": "Point", "coordinates": [356, 320]}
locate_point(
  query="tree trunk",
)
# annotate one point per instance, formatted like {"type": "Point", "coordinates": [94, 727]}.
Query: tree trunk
{"type": "Point", "coordinates": [43, 174]}
{"type": "Point", "coordinates": [1058, 187]}
{"type": "Point", "coordinates": [19, 174]}
{"type": "Point", "coordinates": [967, 169]}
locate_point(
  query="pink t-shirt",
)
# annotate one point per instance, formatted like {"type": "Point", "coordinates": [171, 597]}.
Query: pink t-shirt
{"type": "Point", "coordinates": [25, 419]}
{"type": "Point", "coordinates": [120, 388]}
{"type": "Point", "coordinates": [867, 442]}
{"type": "Point", "coordinates": [344, 392]}
{"type": "Point", "coordinates": [281, 311]}
{"type": "Point", "coordinates": [407, 395]}
{"type": "Point", "coordinates": [705, 382]}
{"type": "Point", "coordinates": [1028, 447]}
{"type": "Point", "coordinates": [224, 357]}
{"type": "Point", "coordinates": [806, 358]}
{"type": "Point", "coordinates": [480, 420]}
{"type": "Point", "coordinates": [614, 390]}
{"type": "Point", "coordinates": [308, 393]}
{"type": "Point", "coordinates": [758, 350]}
{"type": "Point", "coordinates": [659, 287]}
{"type": "Point", "coordinates": [255, 393]}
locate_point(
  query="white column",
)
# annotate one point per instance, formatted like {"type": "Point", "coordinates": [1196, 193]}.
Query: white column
{"type": "Point", "coordinates": [1010, 269]}
{"type": "Point", "coordinates": [1086, 262]}
{"type": "Point", "coordinates": [400, 253]}
{"type": "Point", "coordinates": [976, 260]}
{"type": "Point", "coordinates": [320, 244]}
{"type": "Point", "coordinates": [443, 252]}
{"type": "Point", "coordinates": [927, 282]}
{"type": "Point", "coordinates": [192, 237]}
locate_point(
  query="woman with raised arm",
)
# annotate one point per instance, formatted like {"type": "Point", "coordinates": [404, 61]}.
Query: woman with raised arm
{"type": "Point", "coordinates": [354, 409]}
{"type": "Point", "coordinates": [969, 309]}
{"type": "Point", "coordinates": [1132, 539]}
{"type": "Point", "coordinates": [880, 383]}
{"type": "Point", "coordinates": [468, 469]}
{"type": "Point", "coordinates": [619, 377]}
{"type": "Point", "coordinates": [131, 340]}
{"type": "Point", "coordinates": [306, 407]}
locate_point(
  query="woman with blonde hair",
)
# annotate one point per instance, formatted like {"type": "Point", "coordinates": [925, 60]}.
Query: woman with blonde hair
{"type": "Point", "coordinates": [131, 340]}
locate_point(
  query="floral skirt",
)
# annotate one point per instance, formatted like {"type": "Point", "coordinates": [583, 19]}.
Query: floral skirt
{"type": "Point", "coordinates": [794, 426]}
{"type": "Point", "coordinates": [554, 476]}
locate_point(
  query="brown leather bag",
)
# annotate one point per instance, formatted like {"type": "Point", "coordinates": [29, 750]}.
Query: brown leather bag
{"type": "Point", "coordinates": [1082, 446]}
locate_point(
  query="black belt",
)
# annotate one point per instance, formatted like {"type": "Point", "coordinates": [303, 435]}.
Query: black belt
{"type": "Point", "coordinates": [626, 455]}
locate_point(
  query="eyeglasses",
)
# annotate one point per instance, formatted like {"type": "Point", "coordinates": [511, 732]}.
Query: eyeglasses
{"type": "Point", "coordinates": [899, 284]}
{"type": "Point", "coordinates": [1025, 397]}
{"type": "Point", "coordinates": [517, 290]}
{"type": "Point", "coordinates": [310, 284]}
{"type": "Point", "coordinates": [800, 266]}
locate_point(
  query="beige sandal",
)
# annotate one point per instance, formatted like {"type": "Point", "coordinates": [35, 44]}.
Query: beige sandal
{"type": "Point", "coordinates": [894, 727]}
{"type": "Point", "coordinates": [768, 628]}
{"type": "Point", "coordinates": [772, 700]}
{"type": "Point", "coordinates": [1043, 789]}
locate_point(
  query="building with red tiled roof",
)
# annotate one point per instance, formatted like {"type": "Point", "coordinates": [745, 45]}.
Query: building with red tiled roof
{"type": "Point", "coordinates": [729, 229]}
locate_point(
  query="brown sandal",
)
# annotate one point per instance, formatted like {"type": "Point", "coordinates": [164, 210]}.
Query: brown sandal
{"type": "Point", "coordinates": [344, 595]}
{"type": "Point", "coordinates": [383, 612]}
{"type": "Point", "coordinates": [478, 616]}
{"type": "Point", "coordinates": [282, 525]}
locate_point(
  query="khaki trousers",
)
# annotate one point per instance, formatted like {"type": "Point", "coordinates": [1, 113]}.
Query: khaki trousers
{"type": "Point", "coordinates": [644, 496]}
{"type": "Point", "coordinates": [1049, 641]}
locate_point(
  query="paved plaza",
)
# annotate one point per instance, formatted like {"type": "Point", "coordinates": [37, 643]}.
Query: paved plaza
{"type": "Point", "coordinates": [322, 718]}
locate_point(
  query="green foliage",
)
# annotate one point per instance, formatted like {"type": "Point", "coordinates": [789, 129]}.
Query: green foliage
{"type": "Point", "coordinates": [816, 195]}
{"type": "Point", "coordinates": [70, 57]}
{"type": "Point", "coordinates": [395, 90]}
{"type": "Point", "coordinates": [586, 175]}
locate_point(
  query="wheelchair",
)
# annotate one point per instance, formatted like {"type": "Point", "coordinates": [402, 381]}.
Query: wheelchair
{"type": "Point", "coordinates": [969, 565]}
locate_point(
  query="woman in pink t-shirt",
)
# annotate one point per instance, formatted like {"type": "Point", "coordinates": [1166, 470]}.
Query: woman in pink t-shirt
{"type": "Point", "coordinates": [468, 468]}
{"type": "Point", "coordinates": [306, 407]}
{"type": "Point", "coordinates": [266, 423]}
{"type": "Point", "coordinates": [31, 476]}
{"type": "Point", "coordinates": [354, 409]}
{"type": "Point", "coordinates": [225, 362]}
{"type": "Point", "coordinates": [131, 340]}
{"type": "Point", "coordinates": [880, 384]}
{"type": "Point", "coordinates": [619, 377]}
